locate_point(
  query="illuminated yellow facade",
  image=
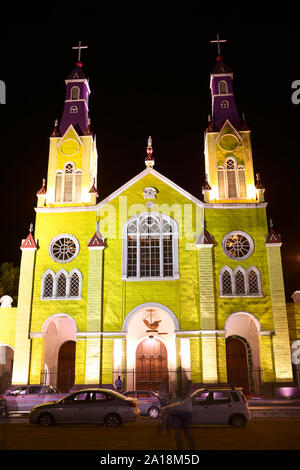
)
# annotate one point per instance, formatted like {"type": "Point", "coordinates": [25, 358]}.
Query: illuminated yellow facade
{"type": "Point", "coordinates": [150, 266]}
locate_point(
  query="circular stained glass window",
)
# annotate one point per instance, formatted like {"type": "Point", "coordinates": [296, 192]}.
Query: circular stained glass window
{"type": "Point", "coordinates": [64, 248]}
{"type": "Point", "coordinates": [238, 245]}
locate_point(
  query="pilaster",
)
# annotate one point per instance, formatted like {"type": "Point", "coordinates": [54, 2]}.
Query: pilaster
{"type": "Point", "coordinates": [22, 342]}
{"type": "Point", "coordinates": [281, 343]}
{"type": "Point", "coordinates": [94, 345]}
{"type": "Point", "coordinates": [204, 244]}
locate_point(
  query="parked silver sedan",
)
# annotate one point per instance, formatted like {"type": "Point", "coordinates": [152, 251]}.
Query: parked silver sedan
{"type": "Point", "coordinates": [88, 406]}
{"type": "Point", "coordinates": [149, 402]}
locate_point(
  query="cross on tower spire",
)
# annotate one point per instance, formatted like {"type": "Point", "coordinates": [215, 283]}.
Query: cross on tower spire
{"type": "Point", "coordinates": [79, 47]}
{"type": "Point", "coordinates": [218, 41]}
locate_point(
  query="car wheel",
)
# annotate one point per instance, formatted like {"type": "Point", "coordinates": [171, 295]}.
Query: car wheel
{"type": "Point", "coordinates": [45, 419]}
{"type": "Point", "coordinates": [112, 420]}
{"type": "Point", "coordinates": [238, 421]}
{"type": "Point", "coordinates": [153, 412]}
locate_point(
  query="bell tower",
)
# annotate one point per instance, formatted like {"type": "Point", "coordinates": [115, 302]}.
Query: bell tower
{"type": "Point", "coordinates": [72, 165]}
{"type": "Point", "coordinates": [228, 155]}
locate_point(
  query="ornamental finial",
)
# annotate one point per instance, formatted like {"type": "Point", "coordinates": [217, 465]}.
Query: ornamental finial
{"type": "Point", "coordinates": [149, 160]}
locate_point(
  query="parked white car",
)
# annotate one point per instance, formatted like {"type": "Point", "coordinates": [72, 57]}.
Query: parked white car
{"type": "Point", "coordinates": [23, 398]}
{"type": "Point", "coordinates": [88, 406]}
{"type": "Point", "coordinates": [215, 406]}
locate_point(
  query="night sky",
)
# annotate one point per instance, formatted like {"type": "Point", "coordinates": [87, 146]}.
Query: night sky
{"type": "Point", "coordinates": [151, 77]}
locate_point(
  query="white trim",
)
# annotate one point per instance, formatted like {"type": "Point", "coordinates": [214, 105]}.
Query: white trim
{"type": "Point", "coordinates": [81, 80]}
{"type": "Point", "coordinates": [71, 127]}
{"type": "Point", "coordinates": [229, 205]}
{"type": "Point", "coordinates": [140, 176]}
{"type": "Point", "coordinates": [267, 333]}
{"type": "Point", "coordinates": [208, 333]}
{"type": "Point", "coordinates": [138, 279]}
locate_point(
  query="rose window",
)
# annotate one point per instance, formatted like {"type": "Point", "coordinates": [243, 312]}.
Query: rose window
{"type": "Point", "coordinates": [238, 245]}
{"type": "Point", "coordinates": [64, 248]}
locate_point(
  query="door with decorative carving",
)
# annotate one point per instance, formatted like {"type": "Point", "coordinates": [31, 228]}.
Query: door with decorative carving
{"type": "Point", "coordinates": [151, 364]}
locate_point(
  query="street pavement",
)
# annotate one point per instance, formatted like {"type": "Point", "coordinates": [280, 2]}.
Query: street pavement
{"type": "Point", "coordinates": [260, 434]}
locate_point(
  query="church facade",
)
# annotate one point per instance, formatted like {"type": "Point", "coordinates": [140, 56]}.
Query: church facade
{"type": "Point", "coordinates": [151, 281]}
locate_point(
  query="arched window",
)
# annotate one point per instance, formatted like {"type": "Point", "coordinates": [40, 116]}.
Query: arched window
{"type": "Point", "coordinates": [75, 93]}
{"type": "Point", "coordinates": [231, 180]}
{"type": "Point", "coordinates": [47, 284]}
{"type": "Point", "coordinates": [150, 247]}
{"type": "Point", "coordinates": [242, 182]}
{"type": "Point", "coordinates": [239, 280]}
{"type": "Point", "coordinates": [58, 186]}
{"type": "Point", "coordinates": [221, 182]}
{"type": "Point", "coordinates": [226, 287]}
{"type": "Point", "coordinates": [254, 281]}
{"type": "Point", "coordinates": [61, 285]}
{"type": "Point", "coordinates": [75, 284]}
{"type": "Point", "coordinates": [68, 184]}
{"type": "Point", "coordinates": [78, 176]}
{"type": "Point", "coordinates": [223, 87]}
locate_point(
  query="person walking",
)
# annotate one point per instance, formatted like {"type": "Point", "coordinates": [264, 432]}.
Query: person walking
{"type": "Point", "coordinates": [118, 384]}
{"type": "Point", "coordinates": [180, 415]}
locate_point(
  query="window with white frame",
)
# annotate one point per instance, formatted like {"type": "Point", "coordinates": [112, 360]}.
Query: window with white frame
{"type": "Point", "coordinates": [231, 180]}
{"type": "Point", "coordinates": [75, 93]}
{"type": "Point", "coordinates": [238, 245]}
{"type": "Point", "coordinates": [68, 184]}
{"type": "Point", "coordinates": [150, 247]}
{"type": "Point", "coordinates": [240, 282]}
{"type": "Point", "coordinates": [223, 87]}
{"type": "Point", "coordinates": [62, 285]}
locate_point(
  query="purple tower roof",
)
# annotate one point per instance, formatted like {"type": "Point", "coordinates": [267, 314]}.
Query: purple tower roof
{"type": "Point", "coordinates": [76, 103]}
{"type": "Point", "coordinates": [223, 102]}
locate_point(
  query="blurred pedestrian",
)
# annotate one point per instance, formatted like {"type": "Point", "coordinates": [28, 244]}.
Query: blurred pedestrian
{"type": "Point", "coordinates": [180, 415]}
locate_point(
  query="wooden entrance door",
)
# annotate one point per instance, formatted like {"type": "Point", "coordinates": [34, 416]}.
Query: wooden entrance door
{"type": "Point", "coordinates": [151, 364]}
{"type": "Point", "coordinates": [237, 363]}
{"type": "Point", "coordinates": [66, 366]}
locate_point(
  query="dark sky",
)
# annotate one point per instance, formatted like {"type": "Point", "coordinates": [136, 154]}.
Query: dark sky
{"type": "Point", "coordinates": [151, 77]}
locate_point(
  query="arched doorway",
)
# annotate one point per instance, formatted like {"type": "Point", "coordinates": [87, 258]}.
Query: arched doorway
{"type": "Point", "coordinates": [66, 366]}
{"type": "Point", "coordinates": [58, 330]}
{"type": "Point", "coordinates": [6, 366]}
{"type": "Point", "coordinates": [237, 363]}
{"type": "Point", "coordinates": [151, 364]}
